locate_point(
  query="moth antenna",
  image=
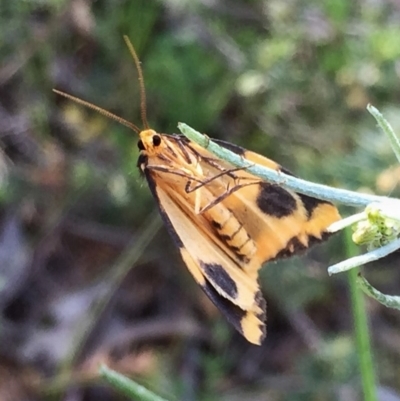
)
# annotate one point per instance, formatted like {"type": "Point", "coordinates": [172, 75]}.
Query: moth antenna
{"type": "Point", "coordinates": [99, 110]}
{"type": "Point", "coordinates": [141, 82]}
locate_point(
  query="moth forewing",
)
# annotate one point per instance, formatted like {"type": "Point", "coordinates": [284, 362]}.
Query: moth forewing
{"type": "Point", "coordinates": [232, 291]}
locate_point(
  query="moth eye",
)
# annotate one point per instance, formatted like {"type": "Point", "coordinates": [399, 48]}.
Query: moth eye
{"type": "Point", "coordinates": [156, 140]}
{"type": "Point", "coordinates": [140, 145]}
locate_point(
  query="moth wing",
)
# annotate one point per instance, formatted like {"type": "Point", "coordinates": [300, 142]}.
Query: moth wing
{"type": "Point", "coordinates": [282, 222]}
{"type": "Point", "coordinates": [320, 213]}
{"type": "Point", "coordinates": [232, 291]}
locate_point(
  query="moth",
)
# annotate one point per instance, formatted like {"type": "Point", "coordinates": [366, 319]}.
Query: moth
{"type": "Point", "coordinates": [225, 221]}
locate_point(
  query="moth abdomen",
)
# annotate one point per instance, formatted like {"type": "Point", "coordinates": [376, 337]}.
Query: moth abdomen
{"type": "Point", "coordinates": [231, 232]}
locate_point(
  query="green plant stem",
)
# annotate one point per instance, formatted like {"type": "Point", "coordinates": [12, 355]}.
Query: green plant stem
{"type": "Point", "coordinates": [350, 198]}
{"type": "Point", "coordinates": [361, 329]}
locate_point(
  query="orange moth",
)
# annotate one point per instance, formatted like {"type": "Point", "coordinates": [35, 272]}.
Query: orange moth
{"type": "Point", "coordinates": [225, 221]}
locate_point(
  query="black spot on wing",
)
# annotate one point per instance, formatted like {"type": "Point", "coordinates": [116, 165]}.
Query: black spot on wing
{"type": "Point", "coordinates": [232, 312]}
{"type": "Point", "coordinates": [310, 204]}
{"type": "Point", "coordinates": [230, 146]}
{"type": "Point", "coordinates": [315, 240]}
{"type": "Point", "coordinates": [260, 301]}
{"type": "Point", "coordinates": [275, 201]}
{"type": "Point", "coordinates": [294, 246]}
{"type": "Point", "coordinates": [167, 222]}
{"type": "Point", "coordinates": [218, 275]}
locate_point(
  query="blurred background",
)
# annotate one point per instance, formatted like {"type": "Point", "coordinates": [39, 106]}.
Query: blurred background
{"type": "Point", "coordinates": [88, 273]}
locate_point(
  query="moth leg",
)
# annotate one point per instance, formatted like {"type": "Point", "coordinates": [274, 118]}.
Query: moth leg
{"type": "Point", "coordinates": [201, 183]}
{"type": "Point", "coordinates": [190, 177]}
{"type": "Point", "coordinates": [224, 195]}
{"type": "Point", "coordinates": [224, 172]}
{"type": "Point", "coordinates": [179, 173]}
{"type": "Point", "coordinates": [212, 161]}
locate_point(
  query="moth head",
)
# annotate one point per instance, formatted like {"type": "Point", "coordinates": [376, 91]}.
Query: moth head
{"type": "Point", "coordinates": [150, 142]}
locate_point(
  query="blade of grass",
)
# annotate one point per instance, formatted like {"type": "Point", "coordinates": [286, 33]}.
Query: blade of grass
{"type": "Point", "coordinates": [127, 386]}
